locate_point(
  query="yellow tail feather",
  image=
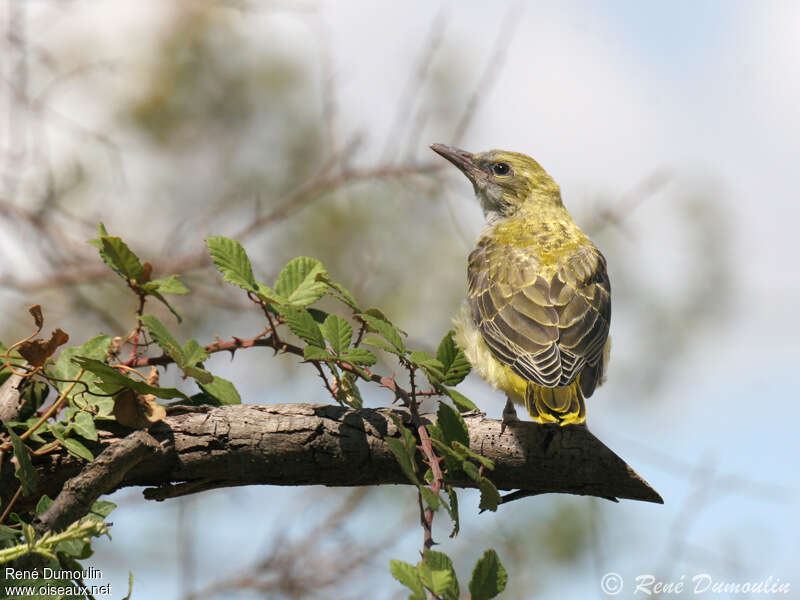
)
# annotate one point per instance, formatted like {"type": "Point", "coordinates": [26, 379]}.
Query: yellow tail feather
{"type": "Point", "coordinates": [562, 405]}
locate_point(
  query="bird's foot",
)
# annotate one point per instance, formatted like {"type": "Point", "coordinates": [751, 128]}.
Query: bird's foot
{"type": "Point", "coordinates": [509, 416]}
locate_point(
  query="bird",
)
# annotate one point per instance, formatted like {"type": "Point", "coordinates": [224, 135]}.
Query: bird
{"type": "Point", "coordinates": [535, 323]}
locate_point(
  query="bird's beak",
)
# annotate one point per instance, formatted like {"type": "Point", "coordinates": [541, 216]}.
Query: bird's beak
{"type": "Point", "coordinates": [460, 158]}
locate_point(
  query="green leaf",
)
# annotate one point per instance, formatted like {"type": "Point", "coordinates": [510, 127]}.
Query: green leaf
{"type": "Point", "coordinates": [103, 508]}
{"type": "Point", "coordinates": [268, 295]}
{"type": "Point", "coordinates": [193, 353]}
{"type": "Point", "coordinates": [490, 497]}
{"type": "Point", "coordinates": [173, 349]}
{"type": "Point", "coordinates": [463, 403]}
{"type": "Point", "coordinates": [358, 356]}
{"type": "Point", "coordinates": [489, 577]}
{"type": "Point", "coordinates": [75, 448]}
{"type": "Point", "coordinates": [43, 504]}
{"type": "Point", "coordinates": [406, 461]}
{"type": "Point", "coordinates": [406, 435]}
{"type": "Point", "coordinates": [223, 390]}
{"type": "Point", "coordinates": [407, 575]}
{"type": "Point", "coordinates": [338, 291]}
{"type": "Point", "coordinates": [33, 395]}
{"type": "Point", "coordinates": [297, 281]}
{"type": "Point", "coordinates": [452, 424]}
{"type": "Point", "coordinates": [303, 326]}
{"type": "Point", "coordinates": [64, 368]}
{"type": "Point", "coordinates": [437, 574]}
{"type": "Point", "coordinates": [377, 342]}
{"type": "Point", "coordinates": [231, 260]}
{"type": "Point", "coordinates": [25, 472]}
{"type": "Point", "coordinates": [116, 254]}
{"type": "Point", "coordinates": [469, 452]}
{"type": "Point", "coordinates": [338, 333]}
{"type": "Point", "coordinates": [114, 381]}
{"type": "Point", "coordinates": [163, 338]}
{"type": "Point", "coordinates": [166, 285]}
{"type": "Point", "coordinates": [455, 365]}
{"type": "Point", "coordinates": [432, 367]}
{"type": "Point", "coordinates": [316, 353]}
{"type": "Point", "coordinates": [472, 471]}
{"type": "Point", "coordinates": [83, 425]}
{"type": "Point", "coordinates": [452, 510]}
{"type": "Point", "coordinates": [431, 499]}
{"type": "Point", "coordinates": [386, 330]}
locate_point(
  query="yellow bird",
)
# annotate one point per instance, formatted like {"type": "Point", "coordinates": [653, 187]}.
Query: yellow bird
{"type": "Point", "coordinates": [536, 320]}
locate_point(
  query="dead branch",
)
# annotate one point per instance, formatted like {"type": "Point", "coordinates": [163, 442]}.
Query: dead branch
{"type": "Point", "coordinates": [200, 448]}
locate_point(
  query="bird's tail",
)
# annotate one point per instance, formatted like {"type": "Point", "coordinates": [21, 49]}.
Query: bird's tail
{"type": "Point", "coordinates": [562, 405]}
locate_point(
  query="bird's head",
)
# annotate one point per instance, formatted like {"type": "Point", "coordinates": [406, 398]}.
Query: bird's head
{"type": "Point", "coordinates": [504, 181]}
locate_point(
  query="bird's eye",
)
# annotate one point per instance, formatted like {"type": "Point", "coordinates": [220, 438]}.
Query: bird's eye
{"type": "Point", "coordinates": [500, 168]}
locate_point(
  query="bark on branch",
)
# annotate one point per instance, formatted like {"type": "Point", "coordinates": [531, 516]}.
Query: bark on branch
{"type": "Point", "coordinates": [197, 448]}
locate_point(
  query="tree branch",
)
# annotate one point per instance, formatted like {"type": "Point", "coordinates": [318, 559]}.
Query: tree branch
{"type": "Point", "coordinates": [196, 448]}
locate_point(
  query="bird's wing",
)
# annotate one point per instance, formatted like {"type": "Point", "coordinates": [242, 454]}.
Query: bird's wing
{"type": "Point", "coordinates": [546, 329]}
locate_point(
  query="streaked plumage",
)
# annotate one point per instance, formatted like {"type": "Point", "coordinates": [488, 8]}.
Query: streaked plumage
{"type": "Point", "coordinates": [538, 297]}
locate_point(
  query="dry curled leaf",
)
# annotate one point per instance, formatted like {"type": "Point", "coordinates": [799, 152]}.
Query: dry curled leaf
{"type": "Point", "coordinates": [138, 411]}
{"type": "Point", "coordinates": [36, 352]}
{"type": "Point", "coordinates": [36, 313]}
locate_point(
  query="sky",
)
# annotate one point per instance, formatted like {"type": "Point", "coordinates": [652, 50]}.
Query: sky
{"type": "Point", "coordinates": [603, 95]}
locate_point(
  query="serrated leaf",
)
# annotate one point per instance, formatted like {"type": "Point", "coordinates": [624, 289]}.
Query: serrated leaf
{"type": "Point", "coordinates": [377, 342]}
{"type": "Point", "coordinates": [163, 338]}
{"type": "Point", "coordinates": [358, 356]}
{"type": "Point", "coordinates": [432, 367]}
{"type": "Point", "coordinates": [490, 497]}
{"type": "Point", "coordinates": [437, 574]}
{"type": "Point", "coordinates": [114, 381]}
{"type": "Point", "coordinates": [489, 577]}
{"type": "Point", "coordinates": [407, 575]}
{"type": "Point", "coordinates": [452, 424]}
{"type": "Point", "coordinates": [386, 330]}
{"type": "Point", "coordinates": [77, 449]}
{"type": "Point", "coordinates": [316, 353]}
{"type": "Point", "coordinates": [463, 403]}
{"type": "Point", "coordinates": [25, 472]}
{"type": "Point", "coordinates": [338, 291]}
{"type": "Point", "coordinates": [431, 499]}
{"type": "Point", "coordinates": [116, 254]}
{"type": "Point", "coordinates": [452, 510]}
{"type": "Point", "coordinates": [303, 326]}
{"type": "Point", "coordinates": [455, 365]}
{"type": "Point", "coordinates": [193, 353]}
{"type": "Point", "coordinates": [297, 281]}
{"type": "Point", "coordinates": [83, 425]}
{"type": "Point", "coordinates": [166, 285]}
{"type": "Point", "coordinates": [400, 451]}
{"type": "Point", "coordinates": [223, 390]}
{"type": "Point", "coordinates": [231, 260]}
{"type": "Point", "coordinates": [338, 332]}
